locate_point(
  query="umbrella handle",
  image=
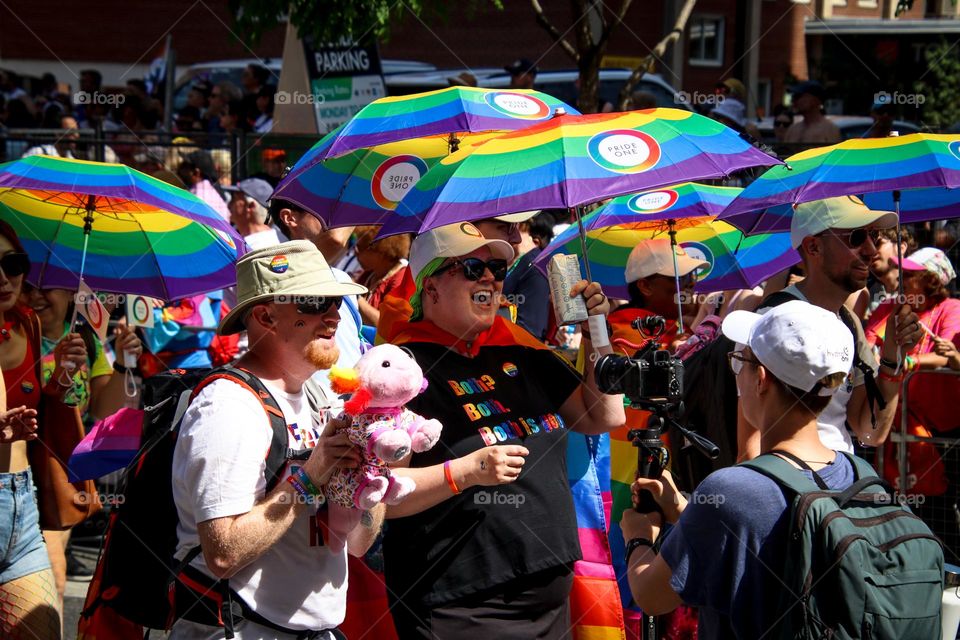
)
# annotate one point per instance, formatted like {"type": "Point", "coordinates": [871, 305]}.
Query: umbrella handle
{"type": "Point", "coordinates": [676, 273]}
{"type": "Point", "coordinates": [900, 296]}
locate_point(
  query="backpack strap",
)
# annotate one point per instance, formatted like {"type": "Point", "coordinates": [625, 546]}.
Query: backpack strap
{"type": "Point", "coordinates": [782, 472]}
{"type": "Point", "coordinates": [776, 299]}
{"type": "Point", "coordinates": [279, 452]}
{"type": "Point", "coordinates": [874, 397]}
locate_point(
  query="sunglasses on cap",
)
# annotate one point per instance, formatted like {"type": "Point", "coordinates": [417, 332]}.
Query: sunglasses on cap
{"type": "Point", "coordinates": [316, 306]}
{"type": "Point", "coordinates": [15, 264]}
{"type": "Point", "coordinates": [856, 237]}
{"type": "Point", "coordinates": [473, 268]}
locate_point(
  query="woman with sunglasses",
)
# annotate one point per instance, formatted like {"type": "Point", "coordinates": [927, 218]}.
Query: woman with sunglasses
{"type": "Point", "coordinates": [29, 605]}
{"type": "Point", "coordinates": [485, 545]}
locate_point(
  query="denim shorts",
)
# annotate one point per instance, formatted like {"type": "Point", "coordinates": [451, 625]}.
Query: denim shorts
{"type": "Point", "coordinates": [22, 551]}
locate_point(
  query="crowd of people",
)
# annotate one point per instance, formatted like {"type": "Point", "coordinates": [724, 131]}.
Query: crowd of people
{"type": "Point", "coordinates": [808, 366]}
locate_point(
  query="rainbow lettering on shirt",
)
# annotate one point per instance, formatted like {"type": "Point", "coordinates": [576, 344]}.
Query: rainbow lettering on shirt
{"type": "Point", "coordinates": [470, 386]}
{"type": "Point", "coordinates": [521, 428]}
{"type": "Point", "coordinates": [484, 409]}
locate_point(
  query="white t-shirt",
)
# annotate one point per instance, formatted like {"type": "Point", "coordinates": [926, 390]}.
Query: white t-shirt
{"type": "Point", "coordinates": [832, 421]}
{"type": "Point", "coordinates": [262, 239]}
{"type": "Point", "coordinates": [218, 467]}
{"type": "Point", "coordinates": [347, 337]}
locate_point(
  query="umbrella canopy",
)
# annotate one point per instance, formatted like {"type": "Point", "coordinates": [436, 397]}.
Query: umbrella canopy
{"type": "Point", "coordinates": [854, 167]}
{"type": "Point", "coordinates": [736, 262]}
{"type": "Point", "coordinates": [675, 202]}
{"type": "Point", "coordinates": [142, 235]}
{"type": "Point", "coordinates": [366, 185]}
{"type": "Point", "coordinates": [441, 112]}
{"type": "Point", "coordinates": [918, 205]}
{"type": "Point", "coordinates": [574, 160]}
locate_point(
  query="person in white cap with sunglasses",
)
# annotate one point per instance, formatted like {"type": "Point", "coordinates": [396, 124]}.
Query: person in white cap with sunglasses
{"type": "Point", "coordinates": [788, 364]}
{"type": "Point", "coordinates": [837, 240]}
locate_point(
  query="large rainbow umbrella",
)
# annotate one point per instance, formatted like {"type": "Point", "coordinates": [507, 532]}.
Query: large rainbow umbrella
{"type": "Point", "coordinates": [736, 262]}
{"type": "Point", "coordinates": [443, 112]}
{"type": "Point", "coordinates": [122, 231]}
{"type": "Point", "coordinates": [854, 167]}
{"type": "Point", "coordinates": [571, 161]}
{"type": "Point", "coordinates": [366, 185]}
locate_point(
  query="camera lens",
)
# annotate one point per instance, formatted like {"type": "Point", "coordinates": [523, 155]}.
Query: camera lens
{"type": "Point", "coordinates": [610, 373]}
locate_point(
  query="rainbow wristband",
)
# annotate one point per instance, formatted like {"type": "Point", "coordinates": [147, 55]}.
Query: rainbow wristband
{"type": "Point", "coordinates": [449, 476]}
{"type": "Point", "coordinates": [305, 487]}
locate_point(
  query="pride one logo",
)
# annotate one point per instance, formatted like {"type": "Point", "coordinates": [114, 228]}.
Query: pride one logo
{"type": "Point", "coordinates": [653, 201]}
{"type": "Point", "coordinates": [394, 178]}
{"type": "Point", "coordinates": [624, 151]}
{"type": "Point", "coordinates": [518, 105]}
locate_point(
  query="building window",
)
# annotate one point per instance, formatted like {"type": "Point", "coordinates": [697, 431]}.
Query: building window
{"type": "Point", "coordinates": [706, 41]}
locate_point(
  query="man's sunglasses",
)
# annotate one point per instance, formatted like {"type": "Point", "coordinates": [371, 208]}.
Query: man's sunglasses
{"type": "Point", "coordinates": [781, 123]}
{"type": "Point", "coordinates": [15, 264]}
{"type": "Point", "coordinates": [856, 237]}
{"type": "Point", "coordinates": [473, 268]}
{"type": "Point", "coordinates": [319, 305]}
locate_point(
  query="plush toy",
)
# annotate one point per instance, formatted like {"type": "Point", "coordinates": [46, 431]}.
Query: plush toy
{"type": "Point", "coordinates": [385, 378]}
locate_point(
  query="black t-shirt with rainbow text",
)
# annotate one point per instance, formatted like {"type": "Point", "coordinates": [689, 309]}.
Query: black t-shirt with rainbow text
{"type": "Point", "coordinates": [488, 536]}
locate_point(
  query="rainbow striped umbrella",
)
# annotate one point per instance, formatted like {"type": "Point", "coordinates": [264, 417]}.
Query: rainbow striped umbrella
{"type": "Point", "coordinates": [854, 167]}
{"type": "Point", "coordinates": [441, 112]}
{"type": "Point", "coordinates": [736, 262]}
{"type": "Point", "coordinates": [570, 161]}
{"type": "Point", "coordinates": [120, 230]}
{"type": "Point", "coordinates": [366, 185]}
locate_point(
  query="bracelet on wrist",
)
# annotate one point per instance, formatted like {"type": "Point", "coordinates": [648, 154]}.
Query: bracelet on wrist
{"type": "Point", "coordinates": [448, 474]}
{"type": "Point", "coordinates": [910, 363]}
{"type": "Point", "coordinates": [893, 365]}
{"type": "Point", "coordinates": [634, 544]}
{"type": "Point", "coordinates": [305, 487]}
{"type": "Point", "coordinates": [898, 378]}
{"type": "Point", "coordinates": [119, 368]}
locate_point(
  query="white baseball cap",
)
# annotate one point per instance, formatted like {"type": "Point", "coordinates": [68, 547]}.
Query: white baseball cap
{"type": "Point", "coordinates": [653, 257]}
{"type": "Point", "coordinates": [452, 241]}
{"type": "Point", "coordinates": [796, 341]}
{"type": "Point", "coordinates": [844, 212]}
{"type": "Point", "coordinates": [515, 218]}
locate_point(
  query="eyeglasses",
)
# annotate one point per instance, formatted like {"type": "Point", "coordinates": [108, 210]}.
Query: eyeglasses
{"type": "Point", "coordinates": [781, 123]}
{"type": "Point", "coordinates": [15, 264]}
{"type": "Point", "coordinates": [474, 268]}
{"type": "Point", "coordinates": [320, 305]}
{"type": "Point", "coordinates": [856, 237]}
{"type": "Point", "coordinates": [736, 360]}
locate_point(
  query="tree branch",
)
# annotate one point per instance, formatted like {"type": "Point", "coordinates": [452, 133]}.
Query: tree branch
{"type": "Point", "coordinates": [657, 53]}
{"type": "Point", "coordinates": [553, 31]}
{"type": "Point", "coordinates": [608, 28]}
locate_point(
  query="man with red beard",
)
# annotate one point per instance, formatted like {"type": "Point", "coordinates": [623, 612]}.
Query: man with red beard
{"type": "Point", "coordinates": [267, 547]}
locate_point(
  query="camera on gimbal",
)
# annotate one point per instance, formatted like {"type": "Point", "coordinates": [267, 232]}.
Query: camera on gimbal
{"type": "Point", "coordinates": [653, 380]}
{"type": "Point", "coordinates": [652, 377]}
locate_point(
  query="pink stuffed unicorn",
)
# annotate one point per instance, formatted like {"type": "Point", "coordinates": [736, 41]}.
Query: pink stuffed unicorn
{"type": "Point", "coordinates": [385, 378]}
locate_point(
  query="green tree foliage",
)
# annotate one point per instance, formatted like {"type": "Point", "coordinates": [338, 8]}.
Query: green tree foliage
{"type": "Point", "coordinates": [334, 20]}
{"type": "Point", "coordinates": [940, 86]}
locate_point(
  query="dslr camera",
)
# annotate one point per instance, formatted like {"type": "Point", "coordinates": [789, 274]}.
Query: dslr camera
{"type": "Point", "coordinates": [651, 378]}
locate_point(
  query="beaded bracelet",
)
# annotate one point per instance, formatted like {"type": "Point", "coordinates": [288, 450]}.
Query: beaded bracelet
{"type": "Point", "coordinates": [449, 476]}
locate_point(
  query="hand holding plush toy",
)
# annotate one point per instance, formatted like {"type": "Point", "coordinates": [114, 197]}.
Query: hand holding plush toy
{"type": "Point", "coordinates": [385, 378]}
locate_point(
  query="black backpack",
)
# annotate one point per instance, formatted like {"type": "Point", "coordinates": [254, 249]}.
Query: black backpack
{"type": "Point", "coordinates": [137, 575]}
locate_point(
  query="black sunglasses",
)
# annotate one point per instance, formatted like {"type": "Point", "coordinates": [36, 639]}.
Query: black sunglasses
{"type": "Point", "coordinates": [15, 264]}
{"type": "Point", "coordinates": [473, 268]}
{"type": "Point", "coordinates": [857, 237]}
{"type": "Point", "coordinates": [320, 305]}
{"type": "Point", "coordinates": [781, 123]}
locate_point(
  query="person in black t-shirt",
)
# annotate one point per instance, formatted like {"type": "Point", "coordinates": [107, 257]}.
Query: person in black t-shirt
{"type": "Point", "coordinates": [485, 545]}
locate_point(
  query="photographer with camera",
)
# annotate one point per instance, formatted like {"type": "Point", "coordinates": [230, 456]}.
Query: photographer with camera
{"type": "Point", "coordinates": [728, 541]}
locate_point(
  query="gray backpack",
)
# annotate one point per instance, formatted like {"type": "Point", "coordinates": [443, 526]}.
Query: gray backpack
{"type": "Point", "coordinates": [858, 563]}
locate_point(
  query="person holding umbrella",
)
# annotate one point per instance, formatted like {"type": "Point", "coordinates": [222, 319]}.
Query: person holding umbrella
{"type": "Point", "coordinates": [837, 239]}
{"type": "Point", "coordinates": [486, 543]}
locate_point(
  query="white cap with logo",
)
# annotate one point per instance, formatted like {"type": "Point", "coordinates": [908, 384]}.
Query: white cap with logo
{"type": "Point", "coordinates": [653, 257]}
{"type": "Point", "coordinates": [452, 241]}
{"type": "Point", "coordinates": [844, 212]}
{"type": "Point", "coordinates": [796, 341]}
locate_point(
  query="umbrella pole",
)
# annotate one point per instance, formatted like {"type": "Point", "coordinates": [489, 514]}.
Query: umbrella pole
{"type": "Point", "coordinates": [900, 297]}
{"type": "Point", "coordinates": [87, 228]}
{"type": "Point", "coordinates": [598, 324]}
{"type": "Point", "coordinates": [676, 272]}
